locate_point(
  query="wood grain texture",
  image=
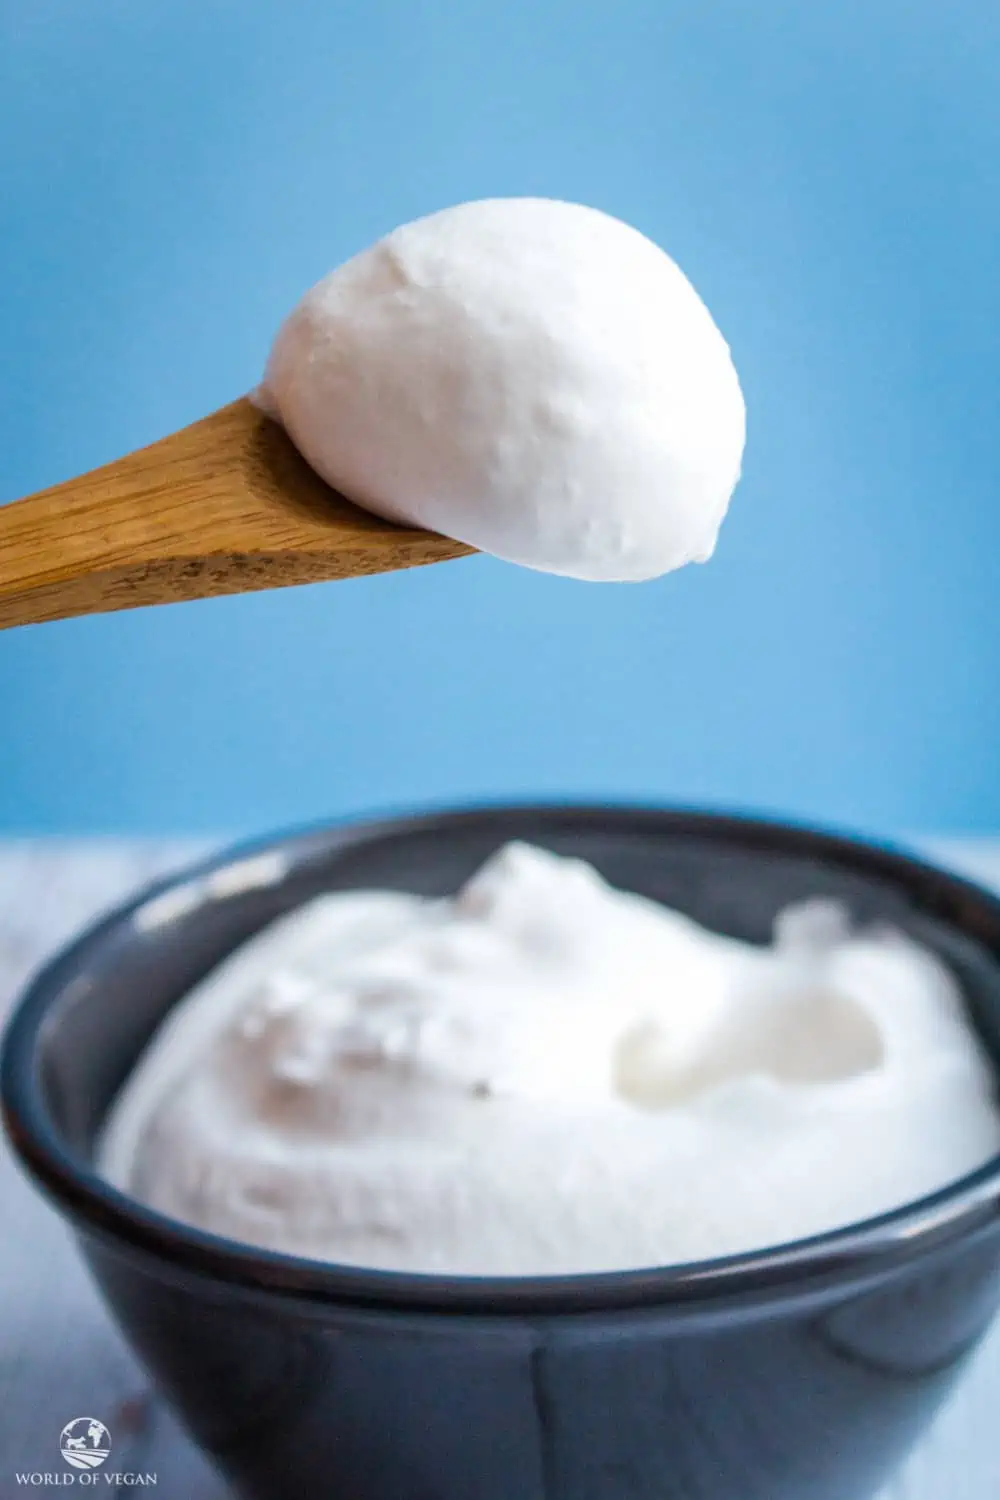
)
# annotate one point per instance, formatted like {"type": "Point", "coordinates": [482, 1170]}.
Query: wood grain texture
{"type": "Point", "coordinates": [224, 506]}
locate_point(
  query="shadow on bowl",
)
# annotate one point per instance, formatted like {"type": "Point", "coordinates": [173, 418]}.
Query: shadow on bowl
{"type": "Point", "coordinates": [804, 1372]}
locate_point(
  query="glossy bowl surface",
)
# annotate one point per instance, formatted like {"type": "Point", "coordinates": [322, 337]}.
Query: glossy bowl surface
{"type": "Point", "coordinates": [803, 1372]}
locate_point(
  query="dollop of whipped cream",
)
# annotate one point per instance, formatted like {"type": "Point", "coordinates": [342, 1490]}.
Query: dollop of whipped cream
{"type": "Point", "coordinates": [534, 378]}
{"type": "Point", "coordinates": [544, 1074]}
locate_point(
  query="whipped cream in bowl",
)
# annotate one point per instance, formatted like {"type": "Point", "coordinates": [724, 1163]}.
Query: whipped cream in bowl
{"type": "Point", "coordinates": [409, 1132]}
{"type": "Point", "coordinates": [545, 1075]}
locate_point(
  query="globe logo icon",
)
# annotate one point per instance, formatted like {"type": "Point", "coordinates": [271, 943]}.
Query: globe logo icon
{"type": "Point", "coordinates": [85, 1443]}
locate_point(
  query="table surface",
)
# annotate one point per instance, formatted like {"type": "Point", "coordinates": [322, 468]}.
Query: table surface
{"type": "Point", "coordinates": [60, 1356]}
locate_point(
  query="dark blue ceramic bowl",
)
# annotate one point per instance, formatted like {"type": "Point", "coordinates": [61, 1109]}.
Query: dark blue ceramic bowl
{"type": "Point", "coordinates": [804, 1372]}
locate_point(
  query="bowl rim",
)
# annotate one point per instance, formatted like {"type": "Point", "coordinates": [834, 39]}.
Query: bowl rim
{"type": "Point", "coordinates": [855, 1253]}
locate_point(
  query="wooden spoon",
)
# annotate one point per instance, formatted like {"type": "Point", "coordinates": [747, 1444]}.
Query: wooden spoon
{"type": "Point", "coordinates": [222, 507]}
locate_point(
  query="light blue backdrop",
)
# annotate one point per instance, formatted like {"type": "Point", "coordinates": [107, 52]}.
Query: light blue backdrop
{"type": "Point", "coordinates": [175, 173]}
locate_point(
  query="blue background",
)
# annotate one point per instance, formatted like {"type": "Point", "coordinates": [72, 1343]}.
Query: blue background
{"type": "Point", "coordinates": [174, 174]}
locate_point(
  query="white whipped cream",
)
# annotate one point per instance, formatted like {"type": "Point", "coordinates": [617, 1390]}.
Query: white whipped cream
{"type": "Point", "coordinates": [534, 378]}
{"type": "Point", "coordinates": [544, 1074]}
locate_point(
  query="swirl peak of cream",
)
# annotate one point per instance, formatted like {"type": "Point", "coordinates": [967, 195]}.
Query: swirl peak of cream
{"type": "Point", "coordinates": [543, 1074]}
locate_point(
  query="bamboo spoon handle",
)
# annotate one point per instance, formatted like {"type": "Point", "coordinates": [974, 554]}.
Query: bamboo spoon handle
{"type": "Point", "coordinates": [224, 506]}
